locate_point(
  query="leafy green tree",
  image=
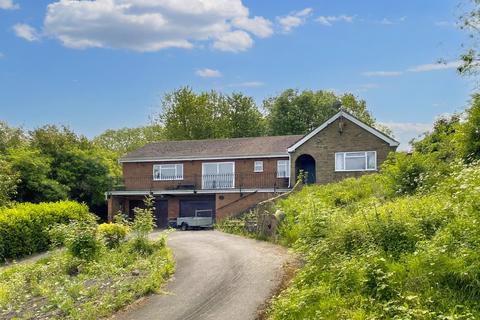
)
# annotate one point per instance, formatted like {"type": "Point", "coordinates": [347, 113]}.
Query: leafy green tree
{"type": "Point", "coordinates": [52, 140]}
{"type": "Point", "coordinates": [10, 137]}
{"type": "Point", "coordinates": [295, 112]}
{"type": "Point", "coordinates": [243, 117]}
{"type": "Point", "coordinates": [8, 182]}
{"type": "Point", "coordinates": [441, 140]}
{"type": "Point", "coordinates": [124, 140]}
{"type": "Point", "coordinates": [187, 115]}
{"type": "Point", "coordinates": [469, 132]}
{"type": "Point", "coordinates": [33, 170]}
{"type": "Point", "coordinates": [85, 175]}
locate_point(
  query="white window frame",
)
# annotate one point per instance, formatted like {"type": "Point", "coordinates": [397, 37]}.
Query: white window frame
{"type": "Point", "coordinates": [218, 164]}
{"type": "Point", "coordinates": [258, 166]}
{"type": "Point", "coordinates": [169, 166]}
{"type": "Point", "coordinates": [365, 156]}
{"type": "Point", "coordinates": [285, 163]}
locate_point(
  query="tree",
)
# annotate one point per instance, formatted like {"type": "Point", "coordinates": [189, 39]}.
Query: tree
{"type": "Point", "coordinates": [33, 170]}
{"type": "Point", "coordinates": [124, 140]}
{"type": "Point", "coordinates": [187, 115]}
{"type": "Point", "coordinates": [295, 112]}
{"type": "Point", "coordinates": [8, 183]}
{"type": "Point", "coordinates": [468, 135]}
{"type": "Point", "coordinates": [243, 117]}
{"type": "Point", "coordinates": [10, 137]}
{"type": "Point", "coordinates": [470, 22]}
{"type": "Point", "coordinates": [85, 174]}
{"type": "Point", "coordinates": [441, 140]}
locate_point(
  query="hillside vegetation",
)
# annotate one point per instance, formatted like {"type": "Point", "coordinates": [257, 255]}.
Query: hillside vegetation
{"type": "Point", "coordinates": [402, 244]}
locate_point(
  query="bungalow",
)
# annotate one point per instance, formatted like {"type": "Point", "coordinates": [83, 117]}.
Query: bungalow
{"type": "Point", "coordinates": [229, 176]}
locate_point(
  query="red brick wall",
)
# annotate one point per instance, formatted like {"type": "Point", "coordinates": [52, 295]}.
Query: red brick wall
{"type": "Point", "coordinates": [234, 203]}
{"type": "Point", "coordinates": [139, 175]}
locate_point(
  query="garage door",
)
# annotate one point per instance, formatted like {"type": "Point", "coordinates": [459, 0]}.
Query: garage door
{"type": "Point", "coordinates": [188, 207]}
{"type": "Point", "coordinates": [161, 211]}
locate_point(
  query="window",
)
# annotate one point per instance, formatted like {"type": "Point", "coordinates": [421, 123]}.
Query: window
{"type": "Point", "coordinates": [283, 169]}
{"type": "Point", "coordinates": [258, 166]}
{"type": "Point", "coordinates": [168, 171]}
{"type": "Point", "coordinates": [356, 161]}
{"type": "Point", "coordinates": [218, 175]}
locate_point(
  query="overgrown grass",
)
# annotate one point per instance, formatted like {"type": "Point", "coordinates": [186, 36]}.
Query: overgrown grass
{"type": "Point", "coordinates": [59, 286]}
{"type": "Point", "coordinates": [371, 255]}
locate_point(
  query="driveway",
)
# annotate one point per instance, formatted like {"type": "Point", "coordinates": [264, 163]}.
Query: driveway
{"type": "Point", "coordinates": [218, 276]}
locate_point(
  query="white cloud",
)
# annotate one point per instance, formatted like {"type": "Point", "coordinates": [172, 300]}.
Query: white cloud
{"type": "Point", "coordinates": [382, 73]}
{"type": "Point", "coordinates": [234, 41]}
{"type": "Point", "coordinates": [367, 86]}
{"type": "Point", "coordinates": [330, 20]}
{"type": "Point", "coordinates": [2, 55]}
{"type": "Point", "coordinates": [294, 19]}
{"type": "Point", "coordinates": [259, 26]}
{"type": "Point", "coordinates": [208, 73]}
{"type": "Point", "coordinates": [405, 131]}
{"type": "Point", "coordinates": [247, 84]}
{"type": "Point", "coordinates": [26, 32]}
{"type": "Point", "coordinates": [152, 25]}
{"type": "Point", "coordinates": [420, 68]}
{"type": "Point", "coordinates": [435, 66]}
{"type": "Point", "coordinates": [386, 21]}
{"type": "Point", "coordinates": [8, 5]}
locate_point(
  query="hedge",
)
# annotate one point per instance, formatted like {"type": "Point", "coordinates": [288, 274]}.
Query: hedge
{"type": "Point", "coordinates": [24, 227]}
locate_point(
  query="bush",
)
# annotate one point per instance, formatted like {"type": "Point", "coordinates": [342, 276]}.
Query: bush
{"type": "Point", "coordinates": [24, 227]}
{"type": "Point", "coordinates": [113, 233]}
{"type": "Point", "coordinates": [82, 241]}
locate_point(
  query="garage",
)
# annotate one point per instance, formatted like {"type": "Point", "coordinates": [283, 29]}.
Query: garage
{"type": "Point", "coordinates": [188, 207]}
{"type": "Point", "coordinates": [161, 211]}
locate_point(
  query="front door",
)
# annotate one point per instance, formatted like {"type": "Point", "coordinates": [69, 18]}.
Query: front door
{"type": "Point", "coordinates": [161, 213]}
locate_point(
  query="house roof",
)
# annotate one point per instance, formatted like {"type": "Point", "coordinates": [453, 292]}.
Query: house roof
{"type": "Point", "coordinates": [255, 147]}
{"type": "Point", "coordinates": [392, 142]}
{"type": "Point", "coordinates": [237, 148]}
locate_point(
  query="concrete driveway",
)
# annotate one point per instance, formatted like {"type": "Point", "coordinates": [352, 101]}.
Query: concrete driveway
{"type": "Point", "coordinates": [218, 276]}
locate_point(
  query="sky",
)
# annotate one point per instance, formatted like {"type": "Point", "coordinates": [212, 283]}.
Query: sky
{"type": "Point", "coordinates": [95, 65]}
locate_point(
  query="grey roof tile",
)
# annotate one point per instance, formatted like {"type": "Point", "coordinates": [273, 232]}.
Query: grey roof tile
{"type": "Point", "coordinates": [236, 147]}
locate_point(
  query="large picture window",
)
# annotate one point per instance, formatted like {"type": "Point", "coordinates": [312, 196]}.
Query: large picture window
{"type": "Point", "coordinates": [168, 172]}
{"type": "Point", "coordinates": [356, 161]}
{"type": "Point", "coordinates": [218, 175]}
{"type": "Point", "coordinates": [283, 169]}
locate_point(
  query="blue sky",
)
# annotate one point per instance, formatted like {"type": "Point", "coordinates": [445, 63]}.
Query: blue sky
{"type": "Point", "coordinates": [94, 65]}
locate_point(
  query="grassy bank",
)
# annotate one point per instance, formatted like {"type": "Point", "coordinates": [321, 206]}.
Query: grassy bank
{"type": "Point", "coordinates": [373, 254]}
{"type": "Point", "coordinates": [57, 287]}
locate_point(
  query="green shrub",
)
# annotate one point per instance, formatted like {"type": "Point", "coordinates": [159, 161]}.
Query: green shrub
{"type": "Point", "coordinates": [112, 233]}
{"type": "Point", "coordinates": [24, 227]}
{"type": "Point", "coordinates": [82, 240]}
{"type": "Point", "coordinates": [142, 225]}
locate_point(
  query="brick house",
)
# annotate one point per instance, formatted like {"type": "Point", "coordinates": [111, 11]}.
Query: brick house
{"type": "Point", "coordinates": [229, 176]}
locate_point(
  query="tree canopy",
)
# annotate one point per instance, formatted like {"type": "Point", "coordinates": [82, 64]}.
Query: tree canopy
{"type": "Point", "coordinates": [299, 112]}
{"type": "Point", "coordinates": [187, 115]}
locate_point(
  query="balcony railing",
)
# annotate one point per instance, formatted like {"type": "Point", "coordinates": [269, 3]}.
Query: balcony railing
{"type": "Point", "coordinates": [205, 182]}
